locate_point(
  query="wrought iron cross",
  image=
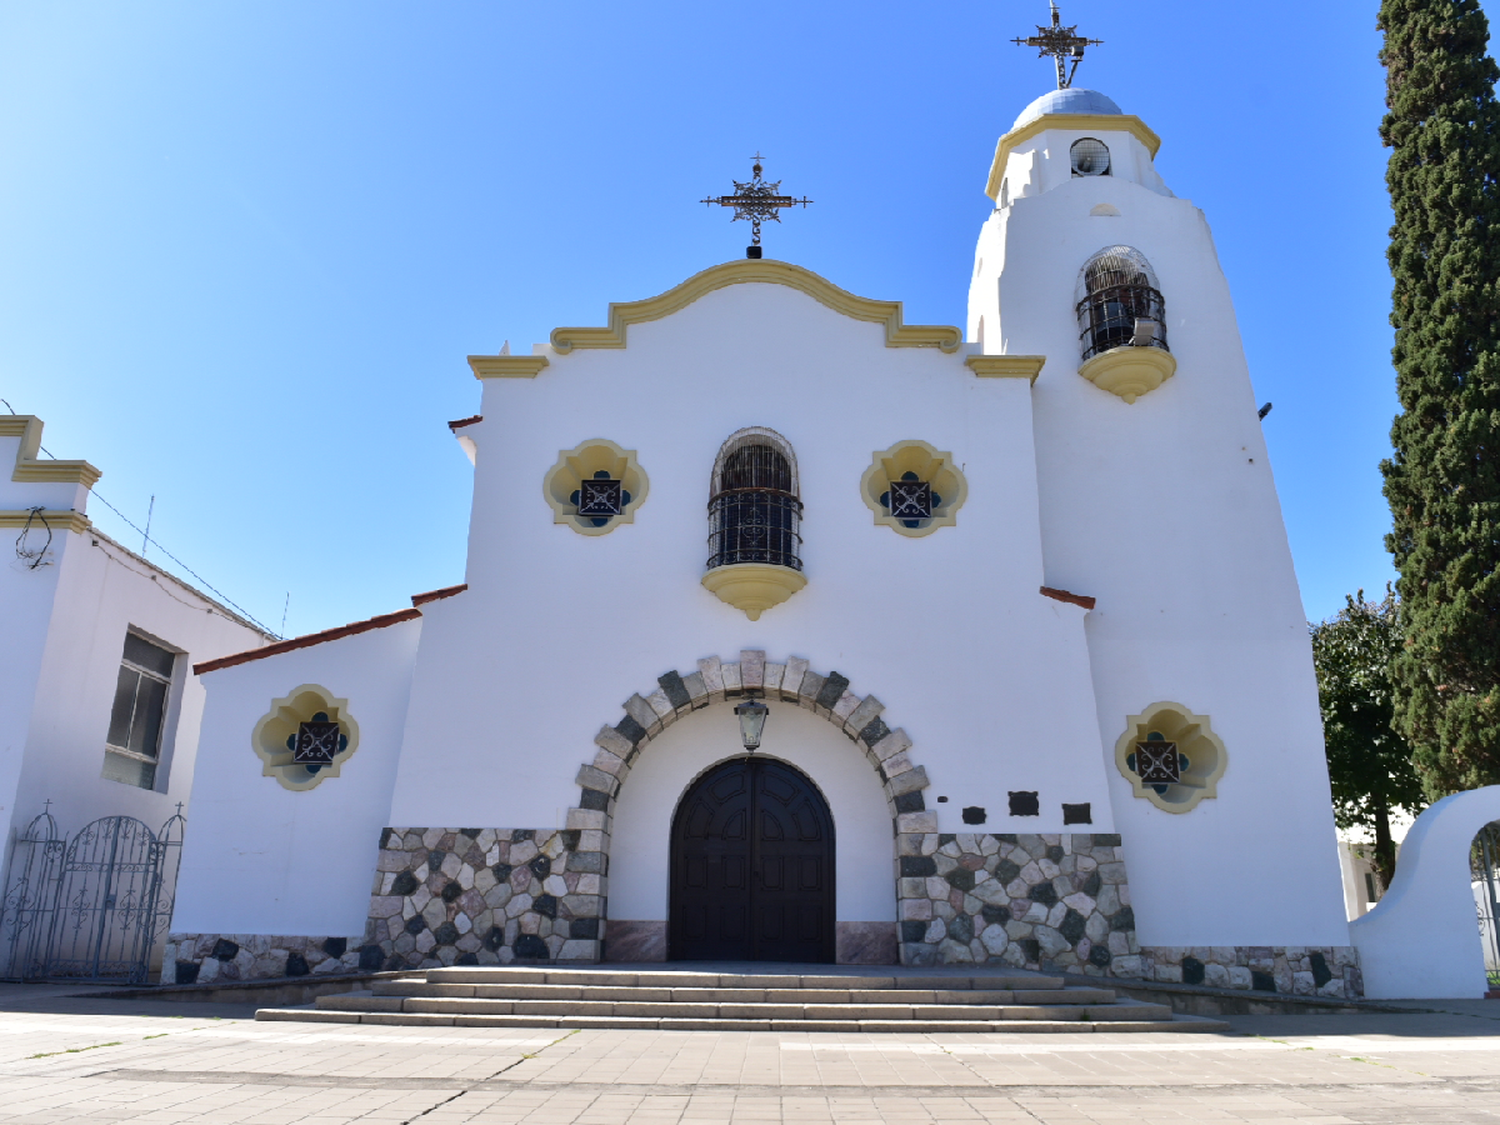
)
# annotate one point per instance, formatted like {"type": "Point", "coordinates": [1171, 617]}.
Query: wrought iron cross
{"type": "Point", "coordinates": [1061, 43]}
{"type": "Point", "coordinates": [758, 201]}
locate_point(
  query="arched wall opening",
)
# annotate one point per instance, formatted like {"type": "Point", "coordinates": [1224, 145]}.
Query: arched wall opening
{"type": "Point", "coordinates": [644, 808]}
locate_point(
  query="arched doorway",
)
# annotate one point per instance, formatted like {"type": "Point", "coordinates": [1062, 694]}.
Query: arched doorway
{"type": "Point", "coordinates": [752, 866]}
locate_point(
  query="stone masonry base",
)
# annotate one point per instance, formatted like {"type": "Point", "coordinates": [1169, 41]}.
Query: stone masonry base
{"type": "Point", "coordinates": [1294, 970]}
{"type": "Point", "coordinates": [487, 896]}
{"type": "Point", "coordinates": [206, 958]}
{"type": "Point", "coordinates": [1044, 901]}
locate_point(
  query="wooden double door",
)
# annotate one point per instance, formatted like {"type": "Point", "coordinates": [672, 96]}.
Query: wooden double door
{"type": "Point", "coordinates": [752, 867]}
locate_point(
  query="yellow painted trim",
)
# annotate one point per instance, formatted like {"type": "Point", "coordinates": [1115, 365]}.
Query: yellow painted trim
{"type": "Point", "coordinates": [507, 366]}
{"type": "Point", "coordinates": [766, 271]}
{"type": "Point", "coordinates": [1129, 371]}
{"type": "Point", "coordinates": [59, 519]}
{"type": "Point", "coordinates": [753, 587]}
{"type": "Point", "coordinates": [30, 470]}
{"type": "Point", "coordinates": [583, 461]}
{"type": "Point", "coordinates": [1006, 366]}
{"type": "Point", "coordinates": [930, 464]}
{"type": "Point", "coordinates": [1079, 122]}
{"type": "Point", "coordinates": [1207, 758]}
{"type": "Point", "coordinates": [299, 705]}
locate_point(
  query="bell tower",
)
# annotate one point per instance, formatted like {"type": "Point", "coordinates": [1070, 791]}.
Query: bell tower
{"type": "Point", "coordinates": [1157, 499]}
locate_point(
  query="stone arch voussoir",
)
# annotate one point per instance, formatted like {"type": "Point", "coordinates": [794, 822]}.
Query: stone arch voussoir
{"type": "Point", "coordinates": [716, 681]}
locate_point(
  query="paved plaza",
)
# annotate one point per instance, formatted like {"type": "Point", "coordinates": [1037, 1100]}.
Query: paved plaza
{"type": "Point", "coordinates": [69, 1058]}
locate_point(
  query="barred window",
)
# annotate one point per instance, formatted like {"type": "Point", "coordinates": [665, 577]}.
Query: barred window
{"type": "Point", "coordinates": [1119, 303]}
{"type": "Point", "coordinates": [132, 747]}
{"type": "Point", "coordinates": [754, 513]}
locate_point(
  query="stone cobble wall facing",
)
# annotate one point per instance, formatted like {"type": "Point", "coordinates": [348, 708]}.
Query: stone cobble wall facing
{"type": "Point", "coordinates": [487, 896]}
{"type": "Point", "coordinates": [1045, 901]}
{"type": "Point", "coordinates": [1329, 970]}
{"type": "Point", "coordinates": [205, 958]}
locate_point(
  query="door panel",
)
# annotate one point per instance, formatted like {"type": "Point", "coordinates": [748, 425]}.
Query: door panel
{"type": "Point", "coordinates": [765, 895]}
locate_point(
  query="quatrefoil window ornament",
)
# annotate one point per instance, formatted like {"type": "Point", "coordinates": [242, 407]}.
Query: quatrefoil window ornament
{"type": "Point", "coordinates": [601, 498]}
{"type": "Point", "coordinates": [306, 737]}
{"type": "Point", "coordinates": [1171, 756]}
{"type": "Point", "coordinates": [913, 488]}
{"type": "Point", "coordinates": [317, 742]}
{"type": "Point", "coordinates": [595, 487]}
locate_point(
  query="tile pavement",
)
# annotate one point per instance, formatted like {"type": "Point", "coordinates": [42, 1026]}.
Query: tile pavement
{"type": "Point", "coordinates": [69, 1058]}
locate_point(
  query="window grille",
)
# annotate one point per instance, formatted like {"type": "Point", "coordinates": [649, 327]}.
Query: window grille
{"type": "Point", "coordinates": [754, 513]}
{"type": "Point", "coordinates": [1119, 303]}
{"type": "Point", "coordinates": [1089, 157]}
{"type": "Point", "coordinates": [133, 746]}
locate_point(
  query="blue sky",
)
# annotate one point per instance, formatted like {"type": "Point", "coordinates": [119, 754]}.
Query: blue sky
{"type": "Point", "coordinates": [245, 248]}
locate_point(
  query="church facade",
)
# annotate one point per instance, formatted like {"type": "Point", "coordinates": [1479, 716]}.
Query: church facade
{"type": "Point", "coordinates": [1014, 604]}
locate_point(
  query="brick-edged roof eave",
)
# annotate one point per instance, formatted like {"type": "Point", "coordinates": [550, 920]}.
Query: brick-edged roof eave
{"type": "Point", "coordinates": [1068, 596]}
{"type": "Point", "coordinates": [308, 641]}
{"type": "Point", "coordinates": [278, 647]}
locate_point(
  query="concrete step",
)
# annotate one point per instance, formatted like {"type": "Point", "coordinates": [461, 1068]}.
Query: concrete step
{"type": "Point", "coordinates": [715, 1010]}
{"type": "Point", "coordinates": [559, 992]}
{"type": "Point", "coordinates": [420, 1019]}
{"type": "Point", "coordinates": [690, 999]}
{"type": "Point", "coordinates": [673, 978]}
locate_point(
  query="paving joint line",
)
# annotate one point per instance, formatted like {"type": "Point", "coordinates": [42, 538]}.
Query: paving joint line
{"type": "Point", "coordinates": [491, 1078]}
{"type": "Point", "coordinates": [495, 1084]}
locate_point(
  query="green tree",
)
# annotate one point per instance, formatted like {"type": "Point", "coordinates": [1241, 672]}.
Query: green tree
{"type": "Point", "coordinates": [1443, 483]}
{"type": "Point", "coordinates": [1369, 763]}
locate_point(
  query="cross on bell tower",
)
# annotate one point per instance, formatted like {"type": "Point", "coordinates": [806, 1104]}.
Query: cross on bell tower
{"type": "Point", "coordinates": [758, 201]}
{"type": "Point", "coordinates": [1061, 43]}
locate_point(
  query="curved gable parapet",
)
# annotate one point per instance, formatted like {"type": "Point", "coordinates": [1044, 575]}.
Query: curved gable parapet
{"type": "Point", "coordinates": [898, 334]}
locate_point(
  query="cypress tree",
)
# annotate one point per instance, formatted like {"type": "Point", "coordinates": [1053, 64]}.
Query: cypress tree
{"type": "Point", "coordinates": [1443, 484]}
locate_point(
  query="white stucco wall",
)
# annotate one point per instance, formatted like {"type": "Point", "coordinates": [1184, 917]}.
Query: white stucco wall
{"type": "Point", "coordinates": [638, 866]}
{"type": "Point", "coordinates": [1166, 511]}
{"type": "Point", "coordinates": [282, 862]}
{"type": "Point", "coordinates": [557, 629]}
{"type": "Point", "coordinates": [1422, 940]}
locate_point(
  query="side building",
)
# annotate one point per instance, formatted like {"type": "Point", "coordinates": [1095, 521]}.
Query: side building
{"type": "Point", "coordinates": [99, 715]}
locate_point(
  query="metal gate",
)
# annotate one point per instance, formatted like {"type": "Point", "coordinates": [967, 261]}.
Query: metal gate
{"type": "Point", "coordinates": [1484, 869]}
{"type": "Point", "coordinates": [95, 907]}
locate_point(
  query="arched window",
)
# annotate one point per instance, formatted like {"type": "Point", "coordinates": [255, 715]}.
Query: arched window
{"type": "Point", "coordinates": [753, 509]}
{"type": "Point", "coordinates": [1089, 156]}
{"type": "Point", "coordinates": [1119, 304]}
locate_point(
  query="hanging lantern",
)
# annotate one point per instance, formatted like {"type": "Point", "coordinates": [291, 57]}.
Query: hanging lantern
{"type": "Point", "coordinates": [752, 716]}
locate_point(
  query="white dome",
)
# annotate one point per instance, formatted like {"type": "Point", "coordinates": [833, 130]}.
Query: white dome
{"type": "Point", "coordinates": [1067, 101]}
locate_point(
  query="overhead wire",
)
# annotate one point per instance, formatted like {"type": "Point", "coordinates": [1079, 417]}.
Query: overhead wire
{"type": "Point", "coordinates": [145, 538]}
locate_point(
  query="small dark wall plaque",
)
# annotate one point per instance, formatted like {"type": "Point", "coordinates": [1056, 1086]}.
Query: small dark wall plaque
{"type": "Point", "coordinates": [1078, 814]}
{"type": "Point", "coordinates": [1025, 804]}
{"type": "Point", "coordinates": [974, 814]}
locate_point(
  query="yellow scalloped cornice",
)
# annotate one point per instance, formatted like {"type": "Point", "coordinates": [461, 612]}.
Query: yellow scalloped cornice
{"type": "Point", "coordinates": [507, 366]}
{"type": "Point", "coordinates": [1006, 366]}
{"type": "Point", "coordinates": [1086, 122]}
{"type": "Point", "coordinates": [768, 271]}
{"type": "Point", "coordinates": [28, 427]}
{"type": "Point", "coordinates": [58, 519]}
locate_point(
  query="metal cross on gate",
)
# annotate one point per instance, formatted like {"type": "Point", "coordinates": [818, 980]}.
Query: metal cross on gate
{"type": "Point", "coordinates": [759, 201]}
{"type": "Point", "coordinates": [1061, 43]}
